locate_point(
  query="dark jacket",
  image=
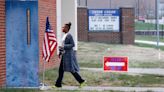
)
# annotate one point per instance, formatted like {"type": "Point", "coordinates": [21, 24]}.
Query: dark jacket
{"type": "Point", "coordinates": [69, 56]}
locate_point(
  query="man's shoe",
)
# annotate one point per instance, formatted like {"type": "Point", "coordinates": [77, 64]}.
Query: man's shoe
{"type": "Point", "coordinates": [82, 84]}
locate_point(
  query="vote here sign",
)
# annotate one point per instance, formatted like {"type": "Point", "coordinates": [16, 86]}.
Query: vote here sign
{"type": "Point", "coordinates": [118, 64]}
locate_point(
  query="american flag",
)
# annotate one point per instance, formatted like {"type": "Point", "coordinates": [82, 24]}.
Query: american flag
{"type": "Point", "coordinates": [50, 42]}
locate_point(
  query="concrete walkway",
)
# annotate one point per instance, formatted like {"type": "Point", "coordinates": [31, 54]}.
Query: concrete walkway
{"type": "Point", "coordinates": [155, 71]}
{"type": "Point", "coordinates": [99, 88]}
{"type": "Point", "coordinates": [149, 42]}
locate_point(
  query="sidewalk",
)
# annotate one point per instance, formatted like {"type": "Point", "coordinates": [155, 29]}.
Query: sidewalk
{"type": "Point", "coordinates": [149, 42]}
{"type": "Point", "coordinates": [155, 71]}
{"type": "Point", "coordinates": [122, 89]}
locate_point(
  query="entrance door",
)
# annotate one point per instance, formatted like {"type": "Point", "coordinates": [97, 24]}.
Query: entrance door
{"type": "Point", "coordinates": [22, 53]}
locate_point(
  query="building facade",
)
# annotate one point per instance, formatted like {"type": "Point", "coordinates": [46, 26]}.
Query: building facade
{"type": "Point", "coordinates": [22, 27]}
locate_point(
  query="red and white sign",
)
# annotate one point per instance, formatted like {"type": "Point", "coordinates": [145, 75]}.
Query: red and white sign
{"type": "Point", "coordinates": [118, 64]}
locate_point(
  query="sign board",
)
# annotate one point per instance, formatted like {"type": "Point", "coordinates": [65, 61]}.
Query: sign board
{"type": "Point", "coordinates": [117, 64]}
{"type": "Point", "coordinates": [104, 20]}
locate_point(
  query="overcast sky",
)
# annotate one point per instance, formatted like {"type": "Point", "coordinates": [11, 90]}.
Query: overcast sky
{"type": "Point", "coordinates": [145, 6]}
{"type": "Point", "coordinates": [116, 3]}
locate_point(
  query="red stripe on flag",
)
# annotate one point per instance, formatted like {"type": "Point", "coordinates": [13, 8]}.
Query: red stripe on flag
{"type": "Point", "coordinates": [49, 45]}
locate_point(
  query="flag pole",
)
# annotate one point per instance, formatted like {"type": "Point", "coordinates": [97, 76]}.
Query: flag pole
{"type": "Point", "coordinates": [47, 48]}
{"type": "Point", "coordinates": [43, 71]}
{"type": "Point", "coordinates": [43, 83]}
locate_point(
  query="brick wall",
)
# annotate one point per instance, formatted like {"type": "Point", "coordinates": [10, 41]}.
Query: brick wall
{"type": "Point", "coordinates": [2, 44]}
{"type": "Point", "coordinates": [127, 25]}
{"type": "Point", "coordinates": [125, 36]}
{"type": "Point", "coordinates": [82, 24]}
{"type": "Point", "coordinates": [105, 37]}
{"type": "Point", "coordinates": [46, 8]}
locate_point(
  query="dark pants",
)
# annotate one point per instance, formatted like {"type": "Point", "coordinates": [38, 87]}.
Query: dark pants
{"type": "Point", "coordinates": [61, 74]}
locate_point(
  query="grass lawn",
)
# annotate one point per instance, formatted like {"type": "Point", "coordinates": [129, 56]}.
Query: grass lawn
{"type": "Point", "coordinates": [146, 26]}
{"type": "Point", "coordinates": [91, 54]}
{"type": "Point", "coordinates": [107, 79]}
{"type": "Point", "coordinates": [98, 79]}
{"type": "Point", "coordinates": [148, 38]}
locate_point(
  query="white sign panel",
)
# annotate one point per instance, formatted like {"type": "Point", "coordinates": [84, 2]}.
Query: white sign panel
{"type": "Point", "coordinates": [104, 20]}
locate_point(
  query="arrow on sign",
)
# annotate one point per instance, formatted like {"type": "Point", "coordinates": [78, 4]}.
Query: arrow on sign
{"type": "Point", "coordinates": [115, 64]}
